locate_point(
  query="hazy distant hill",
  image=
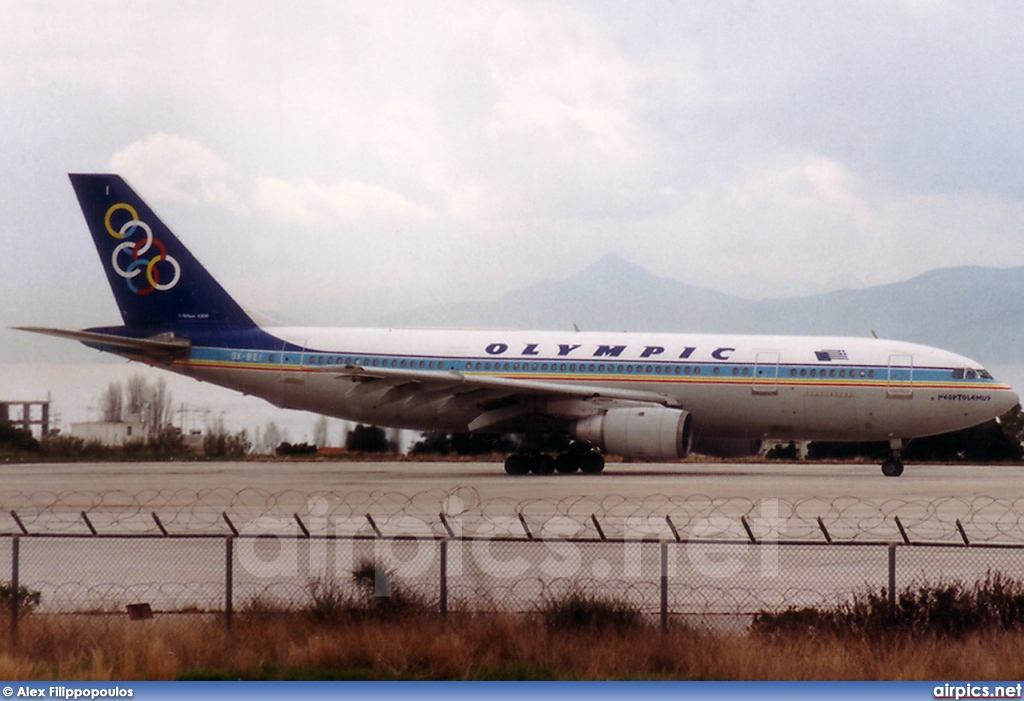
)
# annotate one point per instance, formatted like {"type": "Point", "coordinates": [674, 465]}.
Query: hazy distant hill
{"type": "Point", "coordinates": [975, 311]}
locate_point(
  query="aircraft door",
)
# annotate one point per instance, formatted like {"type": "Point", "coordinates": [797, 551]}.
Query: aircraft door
{"type": "Point", "coordinates": [900, 378]}
{"type": "Point", "coordinates": [766, 373]}
{"type": "Point", "coordinates": [291, 367]}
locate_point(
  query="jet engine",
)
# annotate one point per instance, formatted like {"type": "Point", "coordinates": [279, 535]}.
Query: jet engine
{"type": "Point", "coordinates": [640, 433]}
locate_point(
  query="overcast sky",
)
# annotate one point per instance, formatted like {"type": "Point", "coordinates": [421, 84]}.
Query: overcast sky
{"type": "Point", "coordinates": [375, 156]}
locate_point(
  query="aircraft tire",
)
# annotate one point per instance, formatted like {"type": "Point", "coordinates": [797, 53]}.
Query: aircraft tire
{"type": "Point", "coordinates": [591, 463]}
{"type": "Point", "coordinates": [542, 465]}
{"type": "Point", "coordinates": [517, 464]}
{"type": "Point", "coordinates": [567, 463]}
{"type": "Point", "coordinates": [892, 467]}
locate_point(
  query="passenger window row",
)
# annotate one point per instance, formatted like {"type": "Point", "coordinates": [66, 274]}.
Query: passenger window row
{"type": "Point", "coordinates": [611, 368]}
{"type": "Point", "coordinates": [832, 372]}
{"type": "Point", "coordinates": [603, 368]}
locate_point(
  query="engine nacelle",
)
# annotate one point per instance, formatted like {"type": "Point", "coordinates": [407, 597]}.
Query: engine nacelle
{"type": "Point", "coordinates": [638, 433]}
{"type": "Point", "coordinates": [727, 447]}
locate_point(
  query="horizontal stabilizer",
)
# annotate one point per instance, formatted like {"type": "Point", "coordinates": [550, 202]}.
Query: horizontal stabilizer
{"type": "Point", "coordinates": [163, 347]}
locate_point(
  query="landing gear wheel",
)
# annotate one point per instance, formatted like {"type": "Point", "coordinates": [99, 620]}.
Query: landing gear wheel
{"type": "Point", "coordinates": [892, 467]}
{"type": "Point", "coordinates": [542, 464]}
{"type": "Point", "coordinates": [591, 463]}
{"type": "Point", "coordinates": [567, 463]}
{"type": "Point", "coordinates": [517, 464]}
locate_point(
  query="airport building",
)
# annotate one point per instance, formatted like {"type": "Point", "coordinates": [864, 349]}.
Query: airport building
{"type": "Point", "coordinates": [32, 416]}
{"type": "Point", "coordinates": [108, 432]}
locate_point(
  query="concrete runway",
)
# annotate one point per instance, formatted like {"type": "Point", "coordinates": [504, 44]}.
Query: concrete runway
{"type": "Point", "coordinates": [753, 481]}
{"type": "Point", "coordinates": [855, 501]}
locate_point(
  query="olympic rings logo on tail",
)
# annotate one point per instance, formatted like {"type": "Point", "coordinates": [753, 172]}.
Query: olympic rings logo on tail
{"type": "Point", "coordinates": [138, 246]}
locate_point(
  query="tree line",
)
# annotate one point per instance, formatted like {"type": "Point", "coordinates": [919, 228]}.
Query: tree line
{"type": "Point", "coordinates": [997, 440]}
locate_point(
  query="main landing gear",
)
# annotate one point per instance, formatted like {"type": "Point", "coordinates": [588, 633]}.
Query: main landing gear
{"type": "Point", "coordinates": [893, 465]}
{"type": "Point", "coordinates": [577, 458]}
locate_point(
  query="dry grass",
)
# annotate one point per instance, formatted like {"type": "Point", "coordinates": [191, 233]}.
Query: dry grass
{"type": "Point", "coordinates": [297, 646]}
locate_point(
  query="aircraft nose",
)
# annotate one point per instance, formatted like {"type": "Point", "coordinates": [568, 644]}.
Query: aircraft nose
{"type": "Point", "coordinates": [1007, 400]}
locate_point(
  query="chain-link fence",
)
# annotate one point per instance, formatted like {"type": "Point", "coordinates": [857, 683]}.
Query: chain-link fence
{"type": "Point", "coordinates": [201, 512]}
{"type": "Point", "coordinates": [700, 559]}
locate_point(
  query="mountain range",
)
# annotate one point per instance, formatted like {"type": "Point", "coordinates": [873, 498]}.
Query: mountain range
{"type": "Point", "coordinates": [976, 311]}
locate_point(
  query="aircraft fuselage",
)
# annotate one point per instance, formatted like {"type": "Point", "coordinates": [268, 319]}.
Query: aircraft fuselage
{"type": "Point", "coordinates": [778, 387]}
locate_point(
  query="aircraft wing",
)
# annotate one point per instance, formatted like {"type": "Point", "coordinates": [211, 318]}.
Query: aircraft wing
{"type": "Point", "coordinates": [497, 401]}
{"type": "Point", "coordinates": [163, 348]}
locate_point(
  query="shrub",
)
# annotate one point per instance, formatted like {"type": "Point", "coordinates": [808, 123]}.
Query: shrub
{"type": "Point", "coordinates": [60, 445]}
{"type": "Point", "coordinates": [435, 443]}
{"type": "Point", "coordinates": [167, 441]}
{"type": "Point", "coordinates": [28, 599]}
{"type": "Point", "coordinates": [134, 449]}
{"type": "Point", "coordinates": [17, 439]}
{"type": "Point", "coordinates": [943, 610]}
{"type": "Point", "coordinates": [377, 595]}
{"type": "Point", "coordinates": [218, 443]}
{"type": "Point", "coordinates": [328, 598]}
{"type": "Point", "coordinates": [260, 608]}
{"type": "Point", "coordinates": [382, 594]}
{"type": "Point", "coordinates": [580, 609]}
{"type": "Point", "coordinates": [367, 439]}
{"type": "Point", "coordinates": [287, 448]}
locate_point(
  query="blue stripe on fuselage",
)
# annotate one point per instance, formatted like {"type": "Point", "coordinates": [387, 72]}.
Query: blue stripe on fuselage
{"type": "Point", "coordinates": [276, 354]}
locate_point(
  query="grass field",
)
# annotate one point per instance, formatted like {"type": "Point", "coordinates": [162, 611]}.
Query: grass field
{"type": "Point", "coordinates": [946, 631]}
{"type": "Point", "coordinates": [491, 647]}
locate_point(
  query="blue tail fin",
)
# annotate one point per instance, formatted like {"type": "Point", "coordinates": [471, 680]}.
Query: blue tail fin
{"type": "Point", "coordinates": [155, 280]}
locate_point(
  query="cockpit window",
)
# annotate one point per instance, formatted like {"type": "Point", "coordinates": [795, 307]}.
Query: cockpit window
{"type": "Point", "coordinates": [971, 374]}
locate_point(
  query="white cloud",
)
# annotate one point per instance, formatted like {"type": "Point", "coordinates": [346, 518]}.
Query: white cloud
{"type": "Point", "coordinates": [330, 206]}
{"type": "Point", "coordinates": [481, 146]}
{"type": "Point", "coordinates": [562, 84]}
{"type": "Point", "coordinates": [176, 169]}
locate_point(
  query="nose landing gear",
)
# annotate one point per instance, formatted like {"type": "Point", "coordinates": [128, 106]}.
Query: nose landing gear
{"type": "Point", "coordinates": [893, 465]}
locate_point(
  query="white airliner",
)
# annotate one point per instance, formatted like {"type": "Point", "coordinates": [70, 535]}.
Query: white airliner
{"type": "Point", "coordinates": [647, 396]}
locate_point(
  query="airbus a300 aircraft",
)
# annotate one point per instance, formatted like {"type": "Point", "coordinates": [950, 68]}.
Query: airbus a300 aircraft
{"type": "Point", "coordinates": [647, 396]}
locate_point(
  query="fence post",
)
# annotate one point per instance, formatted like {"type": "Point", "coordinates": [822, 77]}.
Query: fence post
{"type": "Point", "coordinates": [444, 578]}
{"type": "Point", "coordinates": [229, 571]}
{"type": "Point", "coordinates": [664, 587]}
{"type": "Point", "coordinates": [15, 585]}
{"type": "Point", "coordinates": [892, 579]}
